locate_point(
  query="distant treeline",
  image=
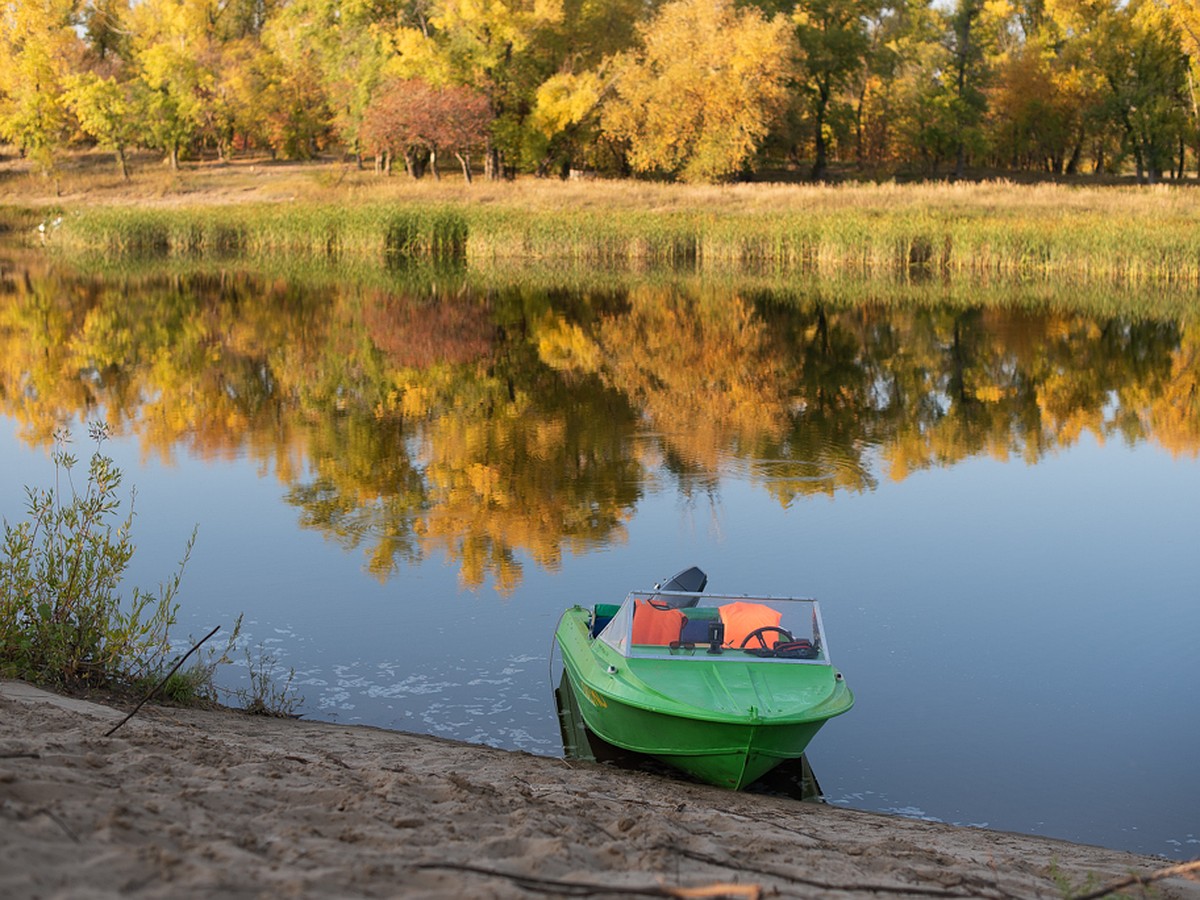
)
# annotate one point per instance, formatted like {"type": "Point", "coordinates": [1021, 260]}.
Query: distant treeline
{"type": "Point", "coordinates": [697, 90]}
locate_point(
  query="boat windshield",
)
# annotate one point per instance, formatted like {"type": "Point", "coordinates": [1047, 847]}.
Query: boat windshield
{"type": "Point", "coordinates": [659, 624]}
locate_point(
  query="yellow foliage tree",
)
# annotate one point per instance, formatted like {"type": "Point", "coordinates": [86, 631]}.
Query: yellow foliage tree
{"type": "Point", "coordinates": [566, 99]}
{"type": "Point", "coordinates": [700, 96]}
{"type": "Point", "coordinates": [39, 48]}
{"type": "Point", "coordinates": [172, 42]}
{"type": "Point", "coordinates": [1186, 16]}
{"type": "Point", "coordinates": [107, 110]}
{"type": "Point", "coordinates": [469, 41]}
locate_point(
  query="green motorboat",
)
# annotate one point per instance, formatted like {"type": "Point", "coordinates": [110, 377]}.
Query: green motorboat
{"type": "Point", "coordinates": [722, 687]}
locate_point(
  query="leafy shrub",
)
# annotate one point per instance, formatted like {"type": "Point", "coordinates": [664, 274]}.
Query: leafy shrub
{"type": "Point", "coordinates": [62, 618]}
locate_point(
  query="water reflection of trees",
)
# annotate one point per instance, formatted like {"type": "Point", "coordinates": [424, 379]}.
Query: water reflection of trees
{"type": "Point", "coordinates": [491, 426]}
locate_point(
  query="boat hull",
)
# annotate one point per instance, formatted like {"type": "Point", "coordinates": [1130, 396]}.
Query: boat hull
{"type": "Point", "coordinates": [758, 723]}
{"type": "Point", "coordinates": [721, 753]}
{"type": "Point", "coordinates": [792, 778]}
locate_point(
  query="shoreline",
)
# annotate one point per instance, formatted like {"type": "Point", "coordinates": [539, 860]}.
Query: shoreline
{"type": "Point", "coordinates": [183, 802]}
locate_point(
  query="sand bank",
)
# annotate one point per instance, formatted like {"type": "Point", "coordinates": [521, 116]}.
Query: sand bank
{"type": "Point", "coordinates": [192, 803]}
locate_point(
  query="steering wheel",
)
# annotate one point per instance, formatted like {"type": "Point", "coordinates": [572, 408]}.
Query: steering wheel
{"type": "Point", "coordinates": [762, 641]}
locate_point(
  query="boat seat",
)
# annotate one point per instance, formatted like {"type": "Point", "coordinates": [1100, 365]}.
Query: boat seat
{"type": "Point", "coordinates": [696, 624]}
{"type": "Point", "coordinates": [602, 614]}
{"type": "Point", "coordinates": [652, 625]}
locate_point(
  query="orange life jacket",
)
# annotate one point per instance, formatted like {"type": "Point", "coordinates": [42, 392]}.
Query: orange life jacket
{"type": "Point", "coordinates": [652, 625]}
{"type": "Point", "coordinates": [741, 618]}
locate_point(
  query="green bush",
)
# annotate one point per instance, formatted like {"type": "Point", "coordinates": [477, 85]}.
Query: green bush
{"type": "Point", "coordinates": [62, 617]}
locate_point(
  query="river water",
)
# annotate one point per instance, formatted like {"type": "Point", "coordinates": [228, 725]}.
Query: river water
{"type": "Point", "coordinates": [401, 479]}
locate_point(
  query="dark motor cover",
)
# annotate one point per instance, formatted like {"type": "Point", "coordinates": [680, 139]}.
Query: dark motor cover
{"type": "Point", "coordinates": [689, 581]}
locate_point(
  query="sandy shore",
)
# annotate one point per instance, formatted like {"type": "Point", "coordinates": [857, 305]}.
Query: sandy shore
{"type": "Point", "coordinates": [188, 803]}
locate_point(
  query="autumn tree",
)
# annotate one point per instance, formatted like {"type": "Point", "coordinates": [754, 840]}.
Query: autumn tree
{"type": "Point", "coordinates": [1044, 100]}
{"type": "Point", "coordinates": [898, 117]}
{"type": "Point", "coordinates": [967, 59]}
{"type": "Point", "coordinates": [565, 117]}
{"type": "Point", "coordinates": [170, 46]}
{"type": "Point", "coordinates": [290, 76]}
{"type": "Point", "coordinates": [109, 111]}
{"type": "Point", "coordinates": [1186, 16]}
{"type": "Point", "coordinates": [834, 39]}
{"type": "Point", "coordinates": [497, 48]}
{"type": "Point", "coordinates": [106, 30]}
{"type": "Point", "coordinates": [39, 49]}
{"type": "Point", "coordinates": [1141, 61]}
{"type": "Point", "coordinates": [1034, 118]}
{"type": "Point", "coordinates": [464, 116]}
{"type": "Point", "coordinates": [698, 98]}
{"type": "Point", "coordinates": [340, 47]}
{"type": "Point", "coordinates": [397, 121]}
{"type": "Point", "coordinates": [410, 115]}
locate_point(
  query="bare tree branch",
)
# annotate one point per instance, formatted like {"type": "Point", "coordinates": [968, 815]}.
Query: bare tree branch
{"type": "Point", "coordinates": [1189, 870]}
{"type": "Point", "coordinates": [587, 889]}
{"type": "Point", "coordinates": [158, 686]}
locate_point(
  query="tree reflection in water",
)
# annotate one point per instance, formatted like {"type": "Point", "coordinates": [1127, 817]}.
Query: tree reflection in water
{"type": "Point", "coordinates": [494, 423]}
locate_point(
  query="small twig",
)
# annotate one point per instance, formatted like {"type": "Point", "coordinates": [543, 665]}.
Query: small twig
{"type": "Point", "coordinates": [53, 817]}
{"type": "Point", "coordinates": [42, 811]}
{"type": "Point", "coordinates": [166, 678]}
{"type": "Point", "coordinates": [1187, 870]}
{"type": "Point", "coordinates": [770, 872]}
{"type": "Point", "coordinates": [584, 888]}
{"type": "Point", "coordinates": [19, 754]}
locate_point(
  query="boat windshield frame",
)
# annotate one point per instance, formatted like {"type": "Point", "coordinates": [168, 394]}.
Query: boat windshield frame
{"type": "Point", "coordinates": [702, 621]}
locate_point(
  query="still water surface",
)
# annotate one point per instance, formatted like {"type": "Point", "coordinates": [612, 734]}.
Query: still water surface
{"type": "Point", "coordinates": [402, 484]}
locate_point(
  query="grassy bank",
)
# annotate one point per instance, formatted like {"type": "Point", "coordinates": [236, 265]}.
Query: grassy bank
{"type": "Point", "coordinates": [1110, 245]}
{"type": "Point", "coordinates": [1110, 235]}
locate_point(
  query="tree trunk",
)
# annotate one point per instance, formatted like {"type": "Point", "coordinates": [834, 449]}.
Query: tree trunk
{"type": "Point", "coordinates": [963, 52]}
{"type": "Point", "coordinates": [860, 149]}
{"type": "Point", "coordinates": [1139, 154]}
{"type": "Point", "coordinates": [491, 163]}
{"type": "Point", "coordinates": [433, 166]}
{"type": "Point", "coordinates": [1076, 151]}
{"type": "Point", "coordinates": [122, 163]}
{"type": "Point", "coordinates": [465, 159]}
{"type": "Point", "coordinates": [1195, 119]}
{"type": "Point", "coordinates": [413, 164]}
{"type": "Point", "coordinates": [821, 163]}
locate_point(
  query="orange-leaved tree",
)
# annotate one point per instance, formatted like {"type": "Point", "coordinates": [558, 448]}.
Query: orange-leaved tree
{"type": "Point", "coordinates": [408, 115]}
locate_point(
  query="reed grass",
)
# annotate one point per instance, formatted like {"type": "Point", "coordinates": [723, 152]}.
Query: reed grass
{"type": "Point", "coordinates": [1110, 235]}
